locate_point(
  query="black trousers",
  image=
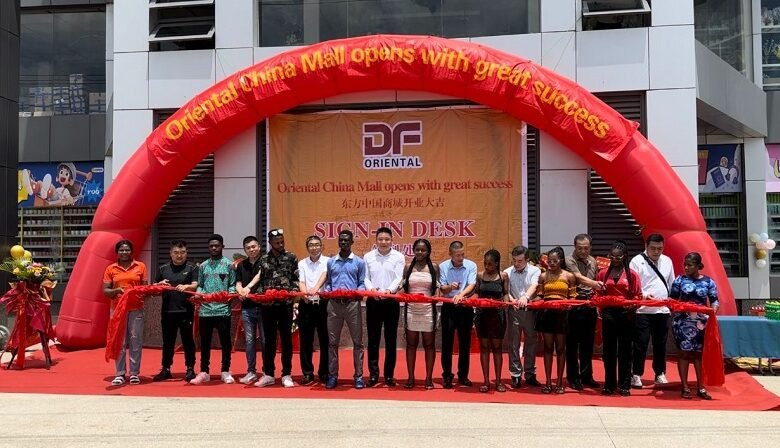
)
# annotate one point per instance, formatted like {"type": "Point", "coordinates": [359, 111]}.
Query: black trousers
{"type": "Point", "coordinates": [460, 319]}
{"type": "Point", "coordinates": [311, 317]}
{"type": "Point", "coordinates": [618, 331]}
{"type": "Point", "coordinates": [647, 326]}
{"type": "Point", "coordinates": [277, 318]}
{"type": "Point", "coordinates": [207, 326]}
{"type": "Point", "coordinates": [379, 313]}
{"type": "Point", "coordinates": [181, 323]}
{"type": "Point", "coordinates": [579, 343]}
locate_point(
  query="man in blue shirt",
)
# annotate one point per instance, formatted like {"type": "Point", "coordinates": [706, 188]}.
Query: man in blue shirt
{"type": "Point", "coordinates": [457, 277]}
{"type": "Point", "coordinates": [345, 271]}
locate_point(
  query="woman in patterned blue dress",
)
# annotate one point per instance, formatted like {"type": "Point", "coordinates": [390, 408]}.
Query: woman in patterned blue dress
{"type": "Point", "coordinates": [688, 328]}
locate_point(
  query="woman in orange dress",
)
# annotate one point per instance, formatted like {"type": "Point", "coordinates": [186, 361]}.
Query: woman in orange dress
{"type": "Point", "coordinates": [554, 284]}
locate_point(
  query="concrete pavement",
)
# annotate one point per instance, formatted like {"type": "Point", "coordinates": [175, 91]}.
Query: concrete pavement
{"type": "Point", "coordinates": [32, 420]}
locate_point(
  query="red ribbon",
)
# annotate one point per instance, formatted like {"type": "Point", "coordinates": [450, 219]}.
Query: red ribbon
{"type": "Point", "coordinates": [712, 356]}
{"type": "Point", "coordinates": [33, 317]}
{"type": "Point", "coordinates": [117, 325]}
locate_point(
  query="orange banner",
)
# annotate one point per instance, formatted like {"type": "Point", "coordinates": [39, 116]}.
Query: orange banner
{"type": "Point", "coordinates": [442, 174]}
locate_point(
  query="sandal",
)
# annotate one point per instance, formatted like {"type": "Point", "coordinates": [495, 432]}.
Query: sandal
{"type": "Point", "coordinates": [546, 389]}
{"type": "Point", "coordinates": [560, 390]}
{"type": "Point", "coordinates": [702, 393]}
{"type": "Point", "coordinates": [409, 384]}
{"type": "Point", "coordinates": [686, 394]}
{"type": "Point", "coordinates": [484, 388]}
{"type": "Point", "coordinates": [500, 387]}
{"type": "Point", "coordinates": [118, 381]}
{"type": "Point", "coordinates": [134, 379]}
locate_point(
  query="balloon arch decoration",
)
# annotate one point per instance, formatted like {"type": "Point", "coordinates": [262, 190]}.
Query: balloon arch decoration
{"type": "Point", "coordinates": [642, 178]}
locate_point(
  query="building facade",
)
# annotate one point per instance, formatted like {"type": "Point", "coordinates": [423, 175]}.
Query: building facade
{"type": "Point", "coordinates": [691, 73]}
{"type": "Point", "coordinates": [9, 123]}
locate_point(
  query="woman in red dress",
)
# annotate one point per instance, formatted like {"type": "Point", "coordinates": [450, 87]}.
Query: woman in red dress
{"type": "Point", "coordinates": [618, 322]}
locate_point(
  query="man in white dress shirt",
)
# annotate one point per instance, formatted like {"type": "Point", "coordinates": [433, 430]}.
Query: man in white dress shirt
{"type": "Point", "coordinates": [384, 272]}
{"type": "Point", "coordinates": [657, 274]}
{"type": "Point", "coordinates": [523, 279]}
{"type": "Point", "coordinates": [313, 312]}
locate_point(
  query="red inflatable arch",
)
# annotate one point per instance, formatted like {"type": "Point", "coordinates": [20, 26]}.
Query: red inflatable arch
{"type": "Point", "coordinates": [608, 142]}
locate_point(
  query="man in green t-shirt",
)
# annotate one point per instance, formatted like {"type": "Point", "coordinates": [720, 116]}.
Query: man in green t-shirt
{"type": "Point", "coordinates": [215, 275]}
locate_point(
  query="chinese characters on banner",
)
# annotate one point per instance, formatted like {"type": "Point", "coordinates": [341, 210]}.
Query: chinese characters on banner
{"type": "Point", "coordinates": [443, 175]}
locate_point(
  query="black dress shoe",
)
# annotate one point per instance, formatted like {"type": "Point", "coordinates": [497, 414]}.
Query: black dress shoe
{"type": "Point", "coordinates": [448, 383]}
{"type": "Point", "coordinates": [190, 375]}
{"type": "Point", "coordinates": [372, 381]}
{"type": "Point", "coordinates": [591, 383]}
{"type": "Point", "coordinates": [532, 381]}
{"type": "Point", "coordinates": [576, 385]}
{"type": "Point", "coordinates": [165, 374]}
{"type": "Point", "coordinates": [390, 382]}
{"type": "Point", "coordinates": [624, 392]}
{"type": "Point", "coordinates": [323, 378]}
{"type": "Point", "coordinates": [516, 382]}
{"type": "Point", "coordinates": [465, 382]}
{"type": "Point", "coordinates": [607, 391]}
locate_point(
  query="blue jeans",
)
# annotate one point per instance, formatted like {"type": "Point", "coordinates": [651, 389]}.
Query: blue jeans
{"type": "Point", "coordinates": [251, 319]}
{"type": "Point", "coordinates": [133, 342]}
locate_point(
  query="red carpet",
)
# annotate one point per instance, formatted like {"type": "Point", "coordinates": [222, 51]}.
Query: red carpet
{"type": "Point", "coordinates": [85, 372]}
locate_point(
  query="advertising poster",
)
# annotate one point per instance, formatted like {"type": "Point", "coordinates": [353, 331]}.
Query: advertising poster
{"type": "Point", "coordinates": [60, 184]}
{"type": "Point", "coordinates": [773, 169]}
{"type": "Point", "coordinates": [442, 175]}
{"type": "Point", "coordinates": [720, 168]}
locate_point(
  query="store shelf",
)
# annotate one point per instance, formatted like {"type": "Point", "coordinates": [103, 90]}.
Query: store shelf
{"type": "Point", "coordinates": [722, 215]}
{"type": "Point", "coordinates": [773, 229]}
{"type": "Point", "coordinates": [54, 235]}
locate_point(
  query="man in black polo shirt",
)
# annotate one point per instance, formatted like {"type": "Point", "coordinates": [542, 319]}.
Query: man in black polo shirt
{"type": "Point", "coordinates": [248, 269]}
{"type": "Point", "coordinates": [177, 312]}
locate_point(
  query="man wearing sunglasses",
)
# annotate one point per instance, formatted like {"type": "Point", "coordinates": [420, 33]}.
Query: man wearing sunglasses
{"type": "Point", "coordinates": [279, 270]}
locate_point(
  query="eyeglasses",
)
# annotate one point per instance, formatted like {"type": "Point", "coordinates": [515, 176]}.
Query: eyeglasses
{"type": "Point", "coordinates": [276, 232]}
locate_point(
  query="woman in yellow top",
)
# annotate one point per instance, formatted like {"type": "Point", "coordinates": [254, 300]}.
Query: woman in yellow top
{"type": "Point", "coordinates": [554, 284]}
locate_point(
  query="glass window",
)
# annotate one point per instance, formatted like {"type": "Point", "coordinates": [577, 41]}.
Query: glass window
{"type": "Point", "coordinates": [770, 43]}
{"type": "Point", "coordinates": [722, 26]}
{"type": "Point", "coordinates": [295, 22]}
{"type": "Point", "coordinates": [63, 63]}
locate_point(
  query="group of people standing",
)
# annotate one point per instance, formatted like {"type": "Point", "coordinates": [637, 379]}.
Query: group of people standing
{"type": "Point", "coordinates": [567, 334]}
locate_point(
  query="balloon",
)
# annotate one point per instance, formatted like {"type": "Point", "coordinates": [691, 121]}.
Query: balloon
{"type": "Point", "coordinates": [605, 140]}
{"type": "Point", "coordinates": [754, 238]}
{"type": "Point", "coordinates": [764, 236]}
{"type": "Point", "coordinates": [17, 252]}
{"type": "Point", "coordinates": [27, 255]}
{"type": "Point", "coordinates": [761, 245]}
{"type": "Point", "coordinates": [761, 254]}
{"type": "Point", "coordinates": [760, 264]}
{"type": "Point", "coordinates": [770, 244]}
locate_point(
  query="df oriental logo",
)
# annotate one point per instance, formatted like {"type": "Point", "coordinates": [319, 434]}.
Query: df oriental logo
{"type": "Point", "coordinates": [383, 145]}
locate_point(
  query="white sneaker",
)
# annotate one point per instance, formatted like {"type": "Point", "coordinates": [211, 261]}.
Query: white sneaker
{"type": "Point", "coordinates": [249, 378]}
{"type": "Point", "coordinates": [202, 377]}
{"type": "Point", "coordinates": [287, 381]}
{"type": "Point", "coordinates": [661, 379]}
{"type": "Point", "coordinates": [265, 380]}
{"type": "Point", "coordinates": [636, 382]}
{"type": "Point", "coordinates": [227, 378]}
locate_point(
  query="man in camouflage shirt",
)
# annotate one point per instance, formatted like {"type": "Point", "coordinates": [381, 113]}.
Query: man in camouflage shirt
{"type": "Point", "coordinates": [279, 271]}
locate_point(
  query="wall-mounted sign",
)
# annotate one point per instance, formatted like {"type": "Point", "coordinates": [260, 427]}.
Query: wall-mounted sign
{"type": "Point", "coordinates": [60, 184]}
{"type": "Point", "coordinates": [720, 168]}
